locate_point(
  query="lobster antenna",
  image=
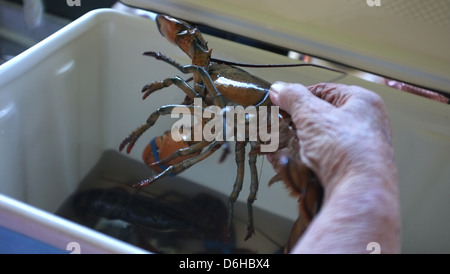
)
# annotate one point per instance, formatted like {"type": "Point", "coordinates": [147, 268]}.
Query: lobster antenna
{"type": "Point", "coordinates": [245, 65]}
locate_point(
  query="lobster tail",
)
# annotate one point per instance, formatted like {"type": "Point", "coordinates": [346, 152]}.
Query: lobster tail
{"type": "Point", "coordinates": [302, 183]}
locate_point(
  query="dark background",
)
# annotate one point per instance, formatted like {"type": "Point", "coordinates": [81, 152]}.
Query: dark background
{"type": "Point", "coordinates": [60, 7]}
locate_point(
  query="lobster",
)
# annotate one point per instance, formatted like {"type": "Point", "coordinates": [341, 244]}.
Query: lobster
{"type": "Point", "coordinates": [222, 83]}
{"type": "Point", "coordinates": [162, 147]}
{"type": "Point", "coordinates": [168, 219]}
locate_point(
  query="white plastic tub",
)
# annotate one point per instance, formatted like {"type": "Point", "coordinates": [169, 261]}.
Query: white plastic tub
{"type": "Point", "coordinates": [77, 94]}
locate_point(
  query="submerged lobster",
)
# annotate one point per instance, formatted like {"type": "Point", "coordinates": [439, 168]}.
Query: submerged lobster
{"type": "Point", "coordinates": [169, 219]}
{"type": "Point", "coordinates": [219, 83]}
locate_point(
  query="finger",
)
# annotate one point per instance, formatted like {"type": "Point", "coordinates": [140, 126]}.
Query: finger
{"type": "Point", "coordinates": [346, 97]}
{"type": "Point", "coordinates": [356, 100]}
{"type": "Point", "coordinates": [295, 98]}
{"type": "Point", "coordinates": [335, 94]}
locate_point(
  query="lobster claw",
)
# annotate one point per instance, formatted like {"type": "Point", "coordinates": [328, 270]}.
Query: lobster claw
{"type": "Point", "coordinates": [162, 147]}
{"type": "Point", "coordinates": [170, 27]}
{"type": "Point", "coordinates": [188, 38]}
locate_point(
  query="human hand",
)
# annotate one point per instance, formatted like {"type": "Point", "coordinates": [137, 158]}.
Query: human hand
{"type": "Point", "coordinates": [345, 138]}
{"type": "Point", "coordinates": [340, 128]}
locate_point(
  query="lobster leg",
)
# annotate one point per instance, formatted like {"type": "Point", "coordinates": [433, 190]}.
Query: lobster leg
{"type": "Point", "coordinates": [157, 85]}
{"type": "Point", "coordinates": [240, 156]}
{"type": "Point", "coordinates": [178, 168]}
{"type": "Point", "coordinates": [253, 190]}
{"type": "Point", "coordinates": [162, 57]}
{"type": "Point", "coordinates": [134, 136]}
{"type": "Point", "coordinates": [196, 70]}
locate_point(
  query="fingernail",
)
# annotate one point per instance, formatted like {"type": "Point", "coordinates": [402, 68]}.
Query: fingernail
{"type": "Point", "coordinates": [277, 87]}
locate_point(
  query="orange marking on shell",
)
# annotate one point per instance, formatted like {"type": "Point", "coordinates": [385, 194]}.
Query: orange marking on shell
{"type": "Point", "coordinates": [166, 146]}
{"type": "Point", "coordinates": [148, 156]}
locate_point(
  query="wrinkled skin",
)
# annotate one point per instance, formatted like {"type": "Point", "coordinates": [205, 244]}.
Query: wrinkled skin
{"type": "Point", "coordinates": [345, 137]}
